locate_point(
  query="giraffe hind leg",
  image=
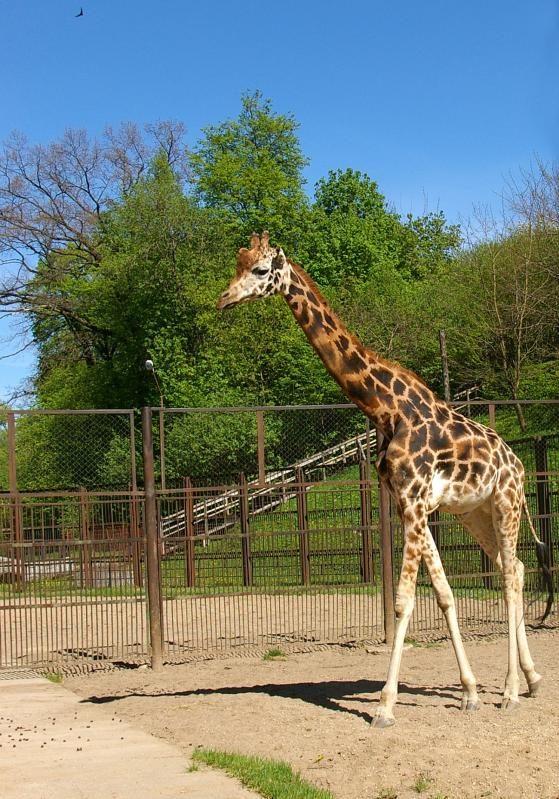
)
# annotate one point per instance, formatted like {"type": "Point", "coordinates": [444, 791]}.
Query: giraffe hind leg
{"type": "Point", "coordinates": [480, 524]}
{"type": "Point", "coordinates": [526, 663]}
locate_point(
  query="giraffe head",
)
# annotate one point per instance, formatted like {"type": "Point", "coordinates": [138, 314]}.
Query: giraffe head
{"type": "Point", "coordinates": [261, 271]}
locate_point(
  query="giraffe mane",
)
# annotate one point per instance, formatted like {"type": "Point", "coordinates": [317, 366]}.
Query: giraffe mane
{"type": "Point", "coordinates": [354, 339]}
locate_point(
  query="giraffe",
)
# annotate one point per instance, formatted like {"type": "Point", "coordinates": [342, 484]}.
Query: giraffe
{"type": "Point", "coordinates": [431, 458]}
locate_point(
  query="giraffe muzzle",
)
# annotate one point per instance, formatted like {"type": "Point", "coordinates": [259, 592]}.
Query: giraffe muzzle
{"type": "Point", "coordinates": [230, 298]}
{"type": "Point", "coordinates": [225, 301]}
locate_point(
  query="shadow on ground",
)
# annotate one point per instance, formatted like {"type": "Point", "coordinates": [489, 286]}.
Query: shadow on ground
{"type": "Point", "coordinates": [333, 695]}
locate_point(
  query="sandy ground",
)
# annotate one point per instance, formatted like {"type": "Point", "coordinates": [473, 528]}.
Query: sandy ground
{"type": "Point", "coordinates": [314, 710]}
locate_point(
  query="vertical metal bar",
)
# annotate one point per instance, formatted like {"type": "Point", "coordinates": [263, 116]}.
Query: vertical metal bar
{"type": "Point", "coordinates": [189, 532]}
{"type": "Point", "coordinates": [162, 444]}
{"type": "Point", "coordinates": [486, 569]}
{"type": "Point", "coordinates": [133, 475]}
{"type": "Point", "coordinates": [152, 544]}
{"type": "Point", "coordinates": [543, 495]}
{"type": "Point", "coordinates": [303, 525]}
{"type": "Point", "coordinates": [84, 535]}
{"type": "Point", "coordinates": [15, 501]}
{"type": "Point", "coordinates": [245, 530]}
{"type": "Point", "coordinates": [261, 447]}
{"type": "Point", "coordinates": [135, 541]}
{"type": "Point", "coordinates": [18, 549]}
{"type": "Point", "coordinates": [368, 444]}
{"type": "Point", "coordinates": [365, 506]}
{"type": "Point", "coordinates": [12, 464]}
{"type": "Point", "coordinates": [387, 557]}
{"type": "Point", "coordinates": [434, 526]}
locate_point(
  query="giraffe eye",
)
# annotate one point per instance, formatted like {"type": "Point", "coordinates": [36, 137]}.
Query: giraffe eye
{"type": "Point", "coordinates": [260, 271]}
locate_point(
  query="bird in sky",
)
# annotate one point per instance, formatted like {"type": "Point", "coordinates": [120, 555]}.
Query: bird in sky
{"type": "Point", "coordinates": [80, 14]}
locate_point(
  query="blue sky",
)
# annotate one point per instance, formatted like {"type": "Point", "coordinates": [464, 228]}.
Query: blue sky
{"type": "Point", "coordinates": [439, 102]}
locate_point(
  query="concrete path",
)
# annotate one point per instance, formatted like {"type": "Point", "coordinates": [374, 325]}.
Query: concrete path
{"type": "Point", "coordinates": [53, 747]}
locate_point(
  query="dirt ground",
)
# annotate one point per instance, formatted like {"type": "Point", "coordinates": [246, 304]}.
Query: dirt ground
{"type": "Point", "coordinates": [314, 709]}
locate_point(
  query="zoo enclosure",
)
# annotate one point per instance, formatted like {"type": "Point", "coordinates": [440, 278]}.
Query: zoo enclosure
{"type": "Point", "coordinates": [227, 529]}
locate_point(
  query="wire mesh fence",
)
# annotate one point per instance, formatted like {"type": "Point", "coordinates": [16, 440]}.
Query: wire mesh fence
{"type": "Point", "coordinates": [67, 450]}
{"type": "Point", "coordinates": [213, 445]}
{"type": "Point", "coordinates": [268, 531]}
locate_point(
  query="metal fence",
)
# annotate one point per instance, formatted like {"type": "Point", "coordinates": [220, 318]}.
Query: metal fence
{"type": "Point", "coordinates": [53, 450]}
{"type": "Point", "coordinates": [204, 530]}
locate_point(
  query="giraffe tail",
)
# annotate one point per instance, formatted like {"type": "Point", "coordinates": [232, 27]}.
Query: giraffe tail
{"type": "Point", "coordinates": [544, 562]}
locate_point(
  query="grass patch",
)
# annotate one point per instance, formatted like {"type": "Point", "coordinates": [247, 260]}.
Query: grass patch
{"type": "Point", "coordinates": [55, 676]}
{"type": "Point", "coordinates": [273, 654]}
{"type": "Point", "coordinates": [270, 778]}
{"type": "Point", "coordinates": [422, 783]}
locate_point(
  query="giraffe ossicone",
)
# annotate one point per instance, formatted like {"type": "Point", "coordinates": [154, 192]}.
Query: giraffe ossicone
{"type": "Point", "coordinates": [431, 458]}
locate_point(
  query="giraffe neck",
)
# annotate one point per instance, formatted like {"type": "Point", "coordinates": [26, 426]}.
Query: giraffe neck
{"type": "Point", "coordinates": [381, 389]}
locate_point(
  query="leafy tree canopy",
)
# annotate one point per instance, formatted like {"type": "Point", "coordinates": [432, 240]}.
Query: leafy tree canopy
{"type": "Point", "coordinates": [252, 168]}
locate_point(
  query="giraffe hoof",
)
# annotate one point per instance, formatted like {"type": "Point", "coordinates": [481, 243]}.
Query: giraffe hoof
{"type": "Point", "coordinates": [510, 704]}
{"type": "Point", "coordinates": [468, 705]}
{"type": "Point", "coordinates": [535, 687]}
{"type": "Point", "coordinates": [381, 722]}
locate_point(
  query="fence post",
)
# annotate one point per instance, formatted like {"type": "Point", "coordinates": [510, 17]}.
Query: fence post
{"type": "Point", "coordinates": [367, 570]}
{"type": "Point", "coordinates": [492, 417]}
{"type": "Point", "coordinates": [189, 530]}
{"type": "Point", "coordinates": [16, 510]}
{"type": "Point", "coordinates": [162, 445]}
{"type": "Point", "coordinates": [386, 555]}
{"type": "Point", "coordinates": [543, 498]}
{"type": "Point", "coordinates": [152, 545]}
{"type": "Point", "coordinates": [245, 531]}
{"type": "Point", "coordinates": [12, 466]}
{"type": "Point", "coordinates": [303, 525]}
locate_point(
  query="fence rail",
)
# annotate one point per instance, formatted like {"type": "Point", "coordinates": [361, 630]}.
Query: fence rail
{"type": "Point", "coordinates": [135, 556]}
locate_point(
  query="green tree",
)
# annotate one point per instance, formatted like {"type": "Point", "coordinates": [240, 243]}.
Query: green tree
{"type": "Point", "coordinates": [351, 233]}
{"type": "Point", "coordinates": [152, 295]}
{"type": "Point", "coordinates": [516, 286]}
{"type": "Point", "coordinates": [427, 244]}
{"type": "Point", "coordinates": [251, 167]}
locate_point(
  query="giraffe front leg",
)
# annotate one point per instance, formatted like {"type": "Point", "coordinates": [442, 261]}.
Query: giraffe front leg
{"type": "Point", "coordinates": [445, 600]}
{"type": "Point", "coordinates": [405, 599]}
